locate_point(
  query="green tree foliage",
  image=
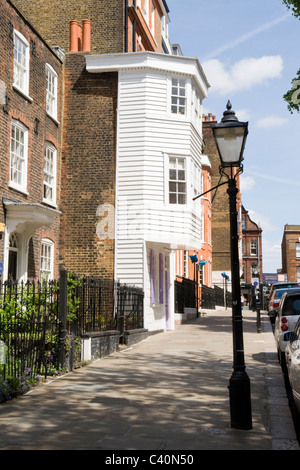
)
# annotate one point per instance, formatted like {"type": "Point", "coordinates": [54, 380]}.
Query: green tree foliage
{"type": "Point", "coordinates": [292, 96]}
{"type": "Point", "coordinates": [294, 5]}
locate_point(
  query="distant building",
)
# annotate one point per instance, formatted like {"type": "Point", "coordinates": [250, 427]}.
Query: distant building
{"type": "Point", "coordinates": [221, 247]}
{"type": "Point", "coordinates": [252, 258]}
{"type": "Point", "coordinates": [290, 252]}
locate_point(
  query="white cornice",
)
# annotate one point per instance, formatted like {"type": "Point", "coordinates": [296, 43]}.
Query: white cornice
{"type": "Point", "coordinates": [164, 63]}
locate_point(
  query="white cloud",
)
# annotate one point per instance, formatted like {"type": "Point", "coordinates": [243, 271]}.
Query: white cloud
{"type": "Point", "coordinates": [271, 122]}
{"type": "Point", "coordinates": [242, 75]}
{"type": "Point", "coordinates": [242, 114]}
{"type": "Point", "coordinates": [247, 183]}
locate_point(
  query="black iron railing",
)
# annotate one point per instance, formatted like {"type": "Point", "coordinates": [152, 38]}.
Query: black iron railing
{"type": "Point", "coordinates": [29, 331]}
{"type": "Point", "coordinates": [39, 321]}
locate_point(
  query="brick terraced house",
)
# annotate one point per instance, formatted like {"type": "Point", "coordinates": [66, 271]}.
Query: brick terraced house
{"type": "Point", "coordinates": [30, 149]}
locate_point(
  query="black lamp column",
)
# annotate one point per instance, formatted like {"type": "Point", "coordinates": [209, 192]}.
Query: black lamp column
{"type": "Point", "coordinates": [239, 383]}
{"type": "Point", "coordinates": [230, 136]}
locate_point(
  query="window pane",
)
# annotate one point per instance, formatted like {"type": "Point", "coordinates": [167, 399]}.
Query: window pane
{"type": "Point", "coordinates": [172, 187]}
{"type": "Point", "coordinates": [181, 187]}
{"type": "Point", "coordinates": [17, 156]}
{"type": "Point", "coordinates": [172, 198]}
{"type": "Point", "coordinates": [177, 182]}
{"type": "Point", "coordinates": [173, 174]}
{"type": "Point", "coordinates": [21, 69]}
{"type": "Point", "coordinates": [49, 174]}
{"type": "Point", "coordinates": [181, 198]}
{"type": "Point", "coordinates": [178, 96]}
{"type": "Point", "coordinates": [181, 175]}
{"type": "Point", "coordinates": [51, 92]}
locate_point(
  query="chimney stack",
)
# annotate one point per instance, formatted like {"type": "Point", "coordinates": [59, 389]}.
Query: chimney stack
{"type": "Point", "coordinates": [80, 37]}
{"type": "Point", "coordinates": [86, 35]}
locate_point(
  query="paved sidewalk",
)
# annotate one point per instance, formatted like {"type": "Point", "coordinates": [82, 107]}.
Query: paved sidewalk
{"type": "Point", "coordinates": [168, 392]}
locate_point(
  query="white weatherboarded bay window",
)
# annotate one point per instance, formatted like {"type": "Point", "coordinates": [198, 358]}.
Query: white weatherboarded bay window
{"type": "Point", "coordinates": [49, 183]}
{"type": "Point", "coordinates": [178, 96]}
{"type": "Point", "coordinates": [177, 180]}
{"type": "Point", "coordinates": [51, 91]}
{"type": "Point", "coordinates": [18, 156]}
{"type": "Point", "coordinates": [47, 259]}
{"type": "Point", "coordinates": [21, 63]}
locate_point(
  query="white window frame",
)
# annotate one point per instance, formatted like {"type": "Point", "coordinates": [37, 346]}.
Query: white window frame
{"type": "Point", "coordinates": [18, 156]}
{"type": "Point", "coordinates": [46, 259]}
{"type": "Point", "coordinates": [177, 190]}
{"type": "Point", "coordinates": [146, 11]}
{"type": "Point", "coordinates": [21, 63]}
{"type": "Point", "coordinates": [178, 99]}
{"type": "Point", "coordinates": [197, 180]}
{"type": "Point", "coordinates": [297, 250]}
{"type": "Point", "coordinates": [153, 17]}
{"type": "Point", "coordinates": [51, 91]}
{"type": "Point", "coordinates": [196, 109]}
{"type": "Point", "coordinates": [49, 175]}
{"type": "Point", "coordinates": [253, 248]}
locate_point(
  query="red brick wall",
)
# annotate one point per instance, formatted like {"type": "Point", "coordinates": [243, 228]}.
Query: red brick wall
{"type": "Point", "coordinates": [88, 176]}
{"type": "Point", "coordinates": [290, 262]}
{"type": "Point", "coordinates": [51, 19]}
{"type": "Point", "coordinates": [220, 206]}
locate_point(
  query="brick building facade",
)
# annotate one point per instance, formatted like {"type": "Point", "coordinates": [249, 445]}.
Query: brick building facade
{"type": "Point", "coordinates": [251, 250]}
{"type": "Point", "coordinates": [290, 252]}
{"type": "Point", "coordinates": [221, 252]}
{"type": "Point", "coordinates": [30, 149]}
{"type": "Point", "coordinates": [117, 25]}
{"type": "Point", "coordinates": [51, 19]}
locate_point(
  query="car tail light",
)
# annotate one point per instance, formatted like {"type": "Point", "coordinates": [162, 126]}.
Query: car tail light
{"type": "Point", "coordinates": [275, 304]}
{"type": "Point", "coordinates": [284, 326]}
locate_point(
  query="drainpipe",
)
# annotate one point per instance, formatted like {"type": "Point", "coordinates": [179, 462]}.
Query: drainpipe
{"type": "Point", "coordinates": [126, 25]}
{"type": "Point", "coordinates": [134, 36]}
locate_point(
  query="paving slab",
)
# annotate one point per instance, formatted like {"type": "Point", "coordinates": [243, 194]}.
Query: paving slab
{"type": "Point", "coordinates": [167, 393]}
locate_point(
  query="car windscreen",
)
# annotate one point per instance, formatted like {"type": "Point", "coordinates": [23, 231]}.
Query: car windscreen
{"type": "Point", "coordinates": [292, 305]}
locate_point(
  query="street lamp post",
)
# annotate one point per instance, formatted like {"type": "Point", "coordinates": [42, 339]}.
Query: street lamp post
{"type": "Point", "coordinates": [230, 136]}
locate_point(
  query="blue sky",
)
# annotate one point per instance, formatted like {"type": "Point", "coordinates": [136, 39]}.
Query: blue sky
{"type": "Point", "coordinates": [249, 50]}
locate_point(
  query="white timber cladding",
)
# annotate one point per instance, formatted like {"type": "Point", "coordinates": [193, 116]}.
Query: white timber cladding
{"type": "Point", "coordinates": [149, 134]}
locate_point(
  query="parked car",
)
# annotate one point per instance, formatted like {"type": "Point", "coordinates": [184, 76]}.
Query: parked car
{"type": "Point", "coordinates": [282, 285]}
{"type": "Point", "coordinates": [286, 319]}
{"type": "Point", "coordinates": [274, 302]}
{"type": "Point", "coordinates": [292, 360]}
